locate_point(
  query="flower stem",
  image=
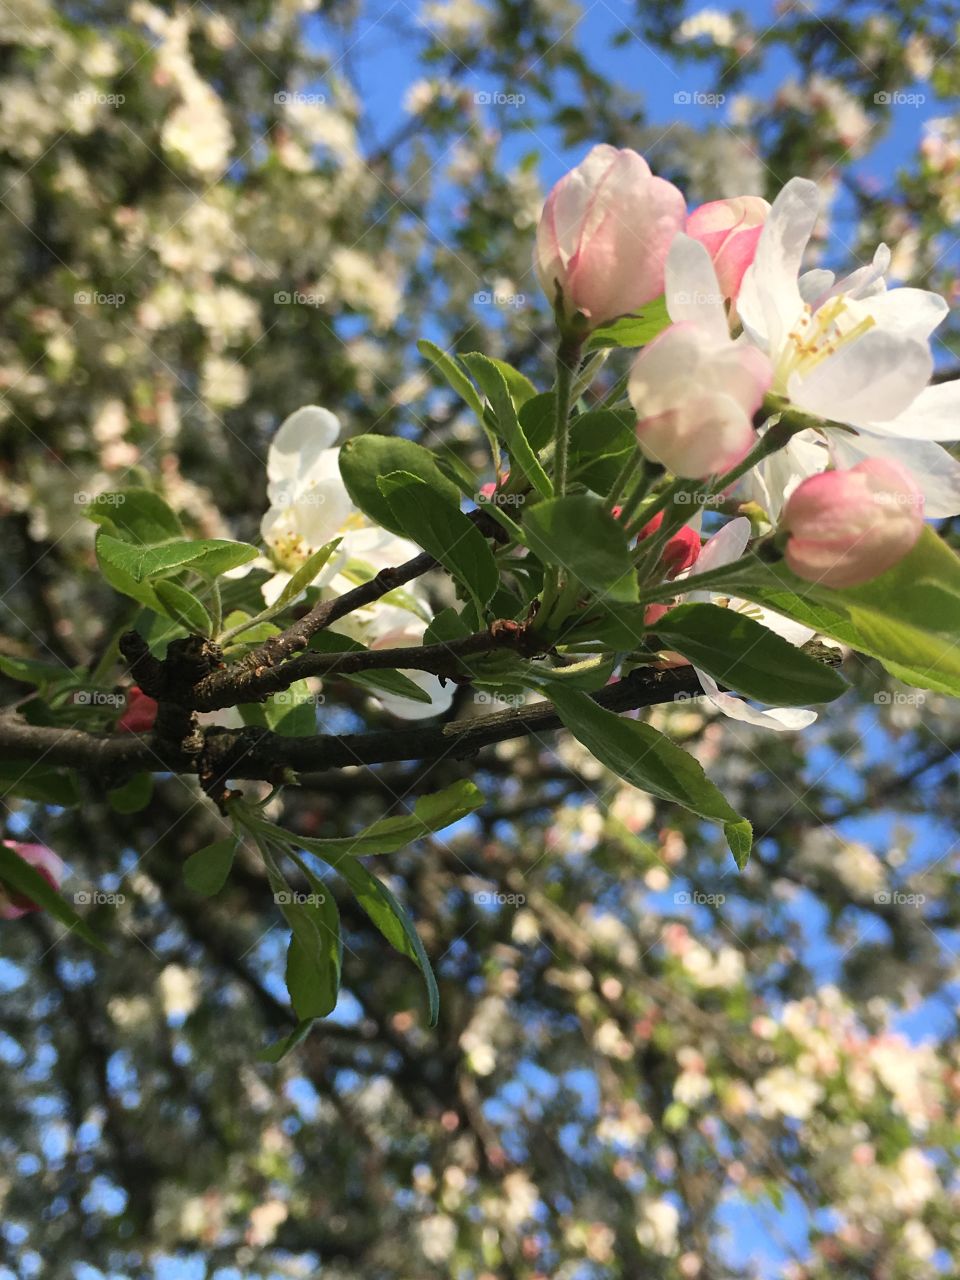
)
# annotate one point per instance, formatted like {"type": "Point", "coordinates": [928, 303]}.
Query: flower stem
{"type": "Point", "coordinates": [568, 361]}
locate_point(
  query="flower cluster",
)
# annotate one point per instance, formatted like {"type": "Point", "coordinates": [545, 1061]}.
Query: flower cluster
{"type": "Point", "coordinates": [750, 335]}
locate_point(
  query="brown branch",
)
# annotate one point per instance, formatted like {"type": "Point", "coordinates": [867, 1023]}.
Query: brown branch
{"type": "Point", "coordinates": [232, 685]}
{"type": "Point", "coordinates": [323, 614]}
{"type": "Point", "coordinates": [258, 753]}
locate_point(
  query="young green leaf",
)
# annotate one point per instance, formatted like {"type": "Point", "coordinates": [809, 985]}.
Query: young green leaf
{"type": "Point", "coordinates": [632, 331]}
{"type": "Point", "coordinates": [442, 530]}
{"type": "Point", "coordinates": [645, 758]}
{"type": "Point", "coordinates": [133, 796]}
{"type": "Point", "coordinates": [183, 607]}
{"type": "Point", "coordinates": [393, 922]}
{"type": "Point", "coordinates": [746, 656]}
{"type": "Point", "coordinates": [26, 881]}
{"type": "Point", "coordinates": [206, 871]}
{"type": "Point", "coordinates": [135, 515]}
{"type": "Point", "coordinates": [209, 556]}
{"type": "Point", "coordinates": [303, 577]}
{"type": "Point", "coordinates": [489, 375]}
{"type": "Point", "coordinates": [578, 534]}
{"type": "Point", "coordinates": [365, 459]}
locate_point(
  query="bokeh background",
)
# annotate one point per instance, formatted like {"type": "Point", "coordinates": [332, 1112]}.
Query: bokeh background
{"type": "Point", "coordinates": [647, 1064]}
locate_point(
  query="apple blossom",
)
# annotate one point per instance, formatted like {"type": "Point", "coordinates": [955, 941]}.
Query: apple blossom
{"type": "Point", "coordinates": [729, 231]}
{"type": "Point", "coordinates": [847, 527]}
{"type": "Point", "coordinates": [848, 351]}
{"type": "Point", "coordinates": [14, 905]}
{"type": "Point", "coordinates": [604, 235]}
{"type": "Point", "coordinates": [694, 388]}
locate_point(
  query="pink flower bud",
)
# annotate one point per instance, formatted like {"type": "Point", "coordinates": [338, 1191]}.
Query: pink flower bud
{"type": "Point", "coordinates": [14, 905]}
{"type": "Point", "coordinates": [604, 235]}
{"type": "Point", "coordinates": [680, 552]}
{"type": "Point", "coordinates": [729, 231]}
{"type": "Point", "coordinates": [139, 714]}
{"type": "Point", "coordinates": [847, 527]}
{"type": "Point", "coordinates": [695, 397]}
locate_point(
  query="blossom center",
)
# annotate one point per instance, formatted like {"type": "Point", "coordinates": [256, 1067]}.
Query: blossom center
{"type": "Point", "coordinates": [816, 336]}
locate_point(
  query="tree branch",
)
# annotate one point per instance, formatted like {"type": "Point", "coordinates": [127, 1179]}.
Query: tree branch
{"type": "Point", "coordinates": [258, 753]}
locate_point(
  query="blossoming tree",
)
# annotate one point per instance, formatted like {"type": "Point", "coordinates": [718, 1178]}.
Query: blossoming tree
{"type": "Point", "coordinates": [493, 637]}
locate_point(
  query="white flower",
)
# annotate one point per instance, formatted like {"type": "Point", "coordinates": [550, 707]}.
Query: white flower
{"type": "Point", "coordinates": [850, 351]}
{"type": "Point", "coordinates": [657, 1228]}
{"type": "Point", "coordinates": [309, 507]}
{"type": "Point", "coordinates": [783, 1091]}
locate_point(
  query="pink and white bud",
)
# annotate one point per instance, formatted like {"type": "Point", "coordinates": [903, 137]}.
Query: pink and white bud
{"type": "Point", "coordinates": [847, 527]}
{"type": "Point", "coordinates": [695, 396]}
{"type": "Point", "coordinates": [14, 905]}
{"type": "Point", "coordinates": [604, 235]}
{"type": "Point", "coordinates": [729, 231]}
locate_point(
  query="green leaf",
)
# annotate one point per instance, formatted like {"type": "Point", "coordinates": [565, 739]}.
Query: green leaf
{"type": "Point", "coordinates": [313, 972]}
{"type": "Point", "coordinates": [645, 758]}
{"type": "Point", "coordinates": [578, 534]}
{"type": "Point", "coordinates": [393, 922]}
{"type": "Point", "coordinates": [206, 871]}
{"type": "Point", "coordinates": [183, 607]}
{"type": "Point", "coordinates": [447, 626]}
{"type": "Point", "coordinates": [133, 796]}
{"type": "Point", "coordinates": [538, 417]}
{"type": "Point", "coordinates": [209, 556]}
{"type": "Point", "coordinates": [747, 656]}
{"type": "Point", "coordinates": [120, 579]}
{"type": "Point", "coordinates": [394, 682]}
{"type": "Point", "coordinates": [489, 375]}
{"type": "Point", "coordinates": [444, 531]}
{"type": "Point", "coordinates": [632, 331]}
{"type": "Point", "coordinates": [135, 515]}
{"type": "Point", "coordinates": [291, 712]}
{"type": "Point", "coordinates": [35, 781]}
{"type": "Point", "coordinates": [908, 618]}
{"type": "Point", "coordinates": [365, 459]}
{"type": "Point", "coordinates": [280, 1048]}
{"type": "Point", "coordinates": [26, 881]}
{"type": "Point", "coordinates": [304, 576]}
{"type": "Point", "coordinates": [520, 387]}
{"type": "Point", "coordinates": [430, 813]}
{"type": "Point", "coordinates": [601, 441]}
{"type": "Point", "coordinates": [739, 837]}
{"type": "Point", "coordinates": [29, 671]}
{"type": "Point", "coordinates": [452, 374]}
